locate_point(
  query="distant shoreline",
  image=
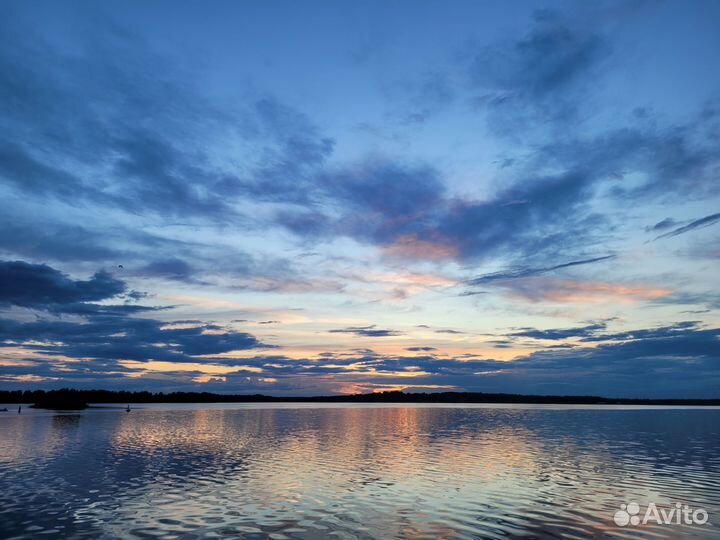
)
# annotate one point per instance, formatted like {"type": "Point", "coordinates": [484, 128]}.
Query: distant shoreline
{"type": "Point", "coordinates": [111, 396]}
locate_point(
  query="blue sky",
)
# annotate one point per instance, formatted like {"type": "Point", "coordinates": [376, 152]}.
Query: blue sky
{"type": "Point", "coordinates": [319, 197]}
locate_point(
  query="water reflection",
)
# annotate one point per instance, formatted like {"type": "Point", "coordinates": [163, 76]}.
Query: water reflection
{"type": "Point", "coordinates": [354, 472]}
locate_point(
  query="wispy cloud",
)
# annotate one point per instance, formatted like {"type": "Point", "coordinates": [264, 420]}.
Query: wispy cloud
{"type": "Point", "coordinates": [560, 333]}
{"type": "Point", "coordinates": [367, 331]}
{"type": "Point", "coordinates": [662, 225]}
{"type": "Point", "coordinates": [520, 273]}
{"type": "Point", "coordinates": [697, 224]}
{"type": "Point", "coordinates": [537, 289]}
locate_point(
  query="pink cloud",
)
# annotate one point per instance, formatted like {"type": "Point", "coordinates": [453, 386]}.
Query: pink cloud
{"type": "Point", "coordinates": [411, 247]}
{"type": "Point", "coordinates": [583, 292]}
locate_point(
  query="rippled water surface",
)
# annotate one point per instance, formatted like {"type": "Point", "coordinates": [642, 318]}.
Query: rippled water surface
{"type": "Point", "coordinates": [240, 471]}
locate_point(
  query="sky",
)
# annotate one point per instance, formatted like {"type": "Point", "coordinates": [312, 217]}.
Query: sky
{"type": "Point", "coordinates": [320, 197]}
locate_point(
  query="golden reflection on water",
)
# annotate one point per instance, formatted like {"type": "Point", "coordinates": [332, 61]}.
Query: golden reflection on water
{"type": "Point", "coordinates": [382, 460]}
{"type": "Point", "coordinates": [396, 472]}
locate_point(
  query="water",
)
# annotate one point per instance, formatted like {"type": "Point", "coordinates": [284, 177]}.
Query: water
{"type": "Point", "coordinates": [367, 472]}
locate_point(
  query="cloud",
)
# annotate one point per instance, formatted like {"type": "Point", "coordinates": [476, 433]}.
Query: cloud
{"type": "Point", "coordinates": [536, 79]}
{"type": "Point", "coordinates": [661, 332]}
{"type": "Point", "coordinates": [644, 159]}
{"type": "Point", "coordinates": [171, 268]}
{"type": "Point", "coordinates": [381, 200]}
{"type": "Point", "coordinates": [113, 156]}
{"type": "Point", "coordinates": [115, 337]}
{"type": "Point", "coordinates": [136, 135]}
{"type": "Point", "coordinates": [676, 361]}
{"type": "Point", "coordinates": [547, 207]}
{"type": "Point", "coordinates": [519, 273]}
{"type": "Point", "coordinates": [537, 83]}
{"type": "Point", "coordinates": [536, 89]}
{"type": "Point", "coordinates": [181, 165]}
{"type": "Point", "coordinates": [540, 216]}
{"type": "Point", "coordinates": [711, 299]}
{"type": "Point", "coordinates": [287, 282]}
{"type": "Point", "coordinates": [679, 360]}
{"type": "Point", "coordinates": [173, 165]}
{"type": "Point", "coordinates": [410, 247]}
{"type": "Point", "coordinates": [28, 174]}
{"type": "Point", "coordinates": [472, 293]}
{"type": "Point", "coordinates": [105, 332]}
{"type": "Point", "coordinates": [162, 177]}
{"type": "Point", "coordinates": [403, 209]}
{"type": "Point", "coordinates": [662, 225]}
{"type": "Point", "coordinates": [40, 239]}
{"type": "Point", "coordinates": [385, 188]}
{"type": "Point", "coordinates": [367, 331]}
{"type": "Point", "coordinates": [536, 289]}
{"type": "Point", "coordinates": [135, 252]}
{"type": "Point", "coordinates": [83, 129]}
{"type": "Point", "coordinates": [589, 330]}
{"type": "Point", "coordinates": [290, 161]}
{"type": "Point", "coordinates": [38, 285]}
{"type": "Point", "coordinates": [697, 224]}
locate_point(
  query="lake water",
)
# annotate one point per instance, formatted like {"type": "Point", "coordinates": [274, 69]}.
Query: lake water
{"type": "Point", "coordinates": [355, 471]}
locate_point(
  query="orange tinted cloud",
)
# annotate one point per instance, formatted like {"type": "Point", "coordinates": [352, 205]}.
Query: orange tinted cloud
{"type": "Point", "coordinates": [164, 366]}
{"type": "Point", "coordinates": [363, 388]}
{"type": "Point", "coordinates": [571, 291]}
{"type": "Point", "coordinates": [27, 378]}
{"type": "Point", "coordinates": [411, 247]}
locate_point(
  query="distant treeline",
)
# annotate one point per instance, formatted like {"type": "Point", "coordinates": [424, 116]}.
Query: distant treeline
{"type": "Point", "coordinates": [119, 396]}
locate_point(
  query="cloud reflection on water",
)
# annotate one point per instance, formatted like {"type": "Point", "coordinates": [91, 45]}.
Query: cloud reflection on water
{"type": "Point", "coordinates": [397, 472]}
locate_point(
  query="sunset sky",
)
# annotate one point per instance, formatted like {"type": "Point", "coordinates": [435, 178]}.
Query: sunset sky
{"type": "Point", "coordinates": [297, 198]}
